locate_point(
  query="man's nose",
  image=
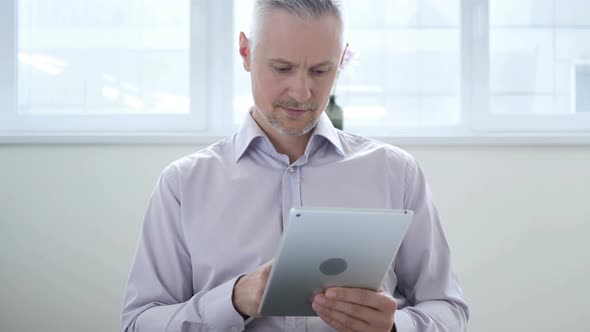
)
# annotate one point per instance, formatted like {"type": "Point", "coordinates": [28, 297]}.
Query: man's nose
{"type": "Point", "coordinates": [300, 87]}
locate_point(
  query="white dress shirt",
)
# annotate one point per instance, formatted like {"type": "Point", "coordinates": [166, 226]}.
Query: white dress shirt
{"type": "Point", "coordinates": [219, 213]}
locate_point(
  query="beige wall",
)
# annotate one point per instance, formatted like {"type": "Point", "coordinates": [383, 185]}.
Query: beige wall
{"type": "Point", "coordinates": [518, 219]}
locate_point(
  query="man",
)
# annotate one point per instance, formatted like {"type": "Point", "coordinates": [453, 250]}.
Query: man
{"type": "Point", "coordinates": [216, 217]}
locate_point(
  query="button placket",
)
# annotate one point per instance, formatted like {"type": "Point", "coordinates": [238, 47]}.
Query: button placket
{"type": "Point", "coordinates": [291, 196]}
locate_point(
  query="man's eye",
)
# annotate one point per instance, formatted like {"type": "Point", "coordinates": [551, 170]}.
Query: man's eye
{"type": "Point", "coordinates": [319, 72]}
{"type": "Point", "coordinates": [282, 69]}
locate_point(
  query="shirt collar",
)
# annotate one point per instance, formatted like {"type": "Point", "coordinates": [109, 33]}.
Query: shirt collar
{"type": "Point", "coordinates": [249, 131]}
{"type": "Point", "coordinates": [325, 129]}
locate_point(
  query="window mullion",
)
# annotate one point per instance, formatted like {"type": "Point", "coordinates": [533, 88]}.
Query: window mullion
{"type": "Point", "coordinates": [476, 50]}
{"type": "Point", "coordinates": [220, 59]}
{"type": "Point", "coordinates": [199, 41]}
{"type": "Point", "coordinates": [8, 64]}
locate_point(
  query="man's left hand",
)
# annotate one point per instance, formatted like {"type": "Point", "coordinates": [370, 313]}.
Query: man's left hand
{"type": "Point", "coordinates": [354, 309]}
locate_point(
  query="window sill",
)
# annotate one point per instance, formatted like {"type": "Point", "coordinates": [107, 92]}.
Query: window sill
{"type": "Point", "coordinates": [203, 139]}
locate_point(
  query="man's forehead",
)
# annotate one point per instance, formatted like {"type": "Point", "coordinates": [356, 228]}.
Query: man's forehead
{"type": "Point", "coordinates": [293, 47]}
{"type": "Point", "coordinates": [282, 27]}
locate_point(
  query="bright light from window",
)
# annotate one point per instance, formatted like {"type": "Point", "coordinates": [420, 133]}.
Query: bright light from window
{"type": "Point", "coordinates": [107, 57]}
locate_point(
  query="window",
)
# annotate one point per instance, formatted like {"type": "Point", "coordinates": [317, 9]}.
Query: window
{"type": "Point", "coordinates": [537, 51]}
{"type": "Point", "coordinates": [408, 71]}
{"type": "Point", "coordinates": [427, 68]}
{"type": "Point", "coordinates": [104, 67]}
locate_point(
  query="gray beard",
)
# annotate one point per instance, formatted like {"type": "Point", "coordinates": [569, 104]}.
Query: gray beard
{"type": "Point", "coordinates": [274, 122]}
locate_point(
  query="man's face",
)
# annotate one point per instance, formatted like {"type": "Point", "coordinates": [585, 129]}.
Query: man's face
{"type": "Point", "coordinates": [292, 70]}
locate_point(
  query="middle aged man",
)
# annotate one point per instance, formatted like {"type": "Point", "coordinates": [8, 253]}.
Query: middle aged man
{"type": "Point", "coordinates": [216, 217]}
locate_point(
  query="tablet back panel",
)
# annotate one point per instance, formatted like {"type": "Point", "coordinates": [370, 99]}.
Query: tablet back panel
{"type": "Point", "coordinates": [329, 247]}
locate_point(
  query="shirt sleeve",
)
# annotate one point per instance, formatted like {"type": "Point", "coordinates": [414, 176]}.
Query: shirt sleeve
{"type": "Point", "coordinates": [424, 268]}
{"type": "Point", "coordinates": [159, 294]}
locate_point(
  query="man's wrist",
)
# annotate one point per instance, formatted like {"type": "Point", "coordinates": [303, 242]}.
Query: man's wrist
{"type": "Point", "coordinates": [244, 316]}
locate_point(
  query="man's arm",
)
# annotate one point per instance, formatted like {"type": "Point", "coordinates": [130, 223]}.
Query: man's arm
{"type": "Point", "coordinates": [424, 268]}
{"type": "Point", "coordinates": [159, 294]}
{"type": "Point", "coordinates": [433, 300]}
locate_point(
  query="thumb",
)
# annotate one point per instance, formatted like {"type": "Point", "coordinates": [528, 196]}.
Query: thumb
{"type": "Point", "coordinates": [268, 266]}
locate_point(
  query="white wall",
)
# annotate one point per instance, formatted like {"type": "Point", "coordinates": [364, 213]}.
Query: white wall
{"type": "Point", "coordinates": [518, 219]}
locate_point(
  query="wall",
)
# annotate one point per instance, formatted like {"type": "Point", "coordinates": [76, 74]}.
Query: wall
{"type": "Point", "coordinates": [517, 217]}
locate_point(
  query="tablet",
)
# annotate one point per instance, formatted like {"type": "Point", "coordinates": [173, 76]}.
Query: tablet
{"type": "Point", "coordinates": [331, 247]}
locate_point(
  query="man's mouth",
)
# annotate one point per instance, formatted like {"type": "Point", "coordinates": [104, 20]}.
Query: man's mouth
{"type": "Point", "coordinates": [295, 111]}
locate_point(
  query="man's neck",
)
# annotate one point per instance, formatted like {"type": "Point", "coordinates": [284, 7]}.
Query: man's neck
{"type": "Point", "coordinates": [292, 146]}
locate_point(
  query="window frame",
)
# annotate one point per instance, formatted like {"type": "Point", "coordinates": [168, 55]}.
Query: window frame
{"type": "Point", "coordinates": [7, 60]}
{"type": "Point", "coordinates": [209, 56]}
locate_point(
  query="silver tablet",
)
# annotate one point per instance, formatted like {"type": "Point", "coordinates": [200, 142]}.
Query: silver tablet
{"type": "Point", "coordinates": [330, 247]}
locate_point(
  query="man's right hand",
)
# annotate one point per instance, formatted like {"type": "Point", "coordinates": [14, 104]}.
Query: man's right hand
{"type": "Point", "coordinates": [249, 289]}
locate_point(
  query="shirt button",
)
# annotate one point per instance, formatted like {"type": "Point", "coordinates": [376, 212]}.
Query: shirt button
{"type": "Point", "coordinates": [290, 170]}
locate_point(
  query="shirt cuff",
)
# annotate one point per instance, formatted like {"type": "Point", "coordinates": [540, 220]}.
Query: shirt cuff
{"type": "Point", "coordinates": [218, 310]}
{"type": "Point", "coordinates": [403, 321]}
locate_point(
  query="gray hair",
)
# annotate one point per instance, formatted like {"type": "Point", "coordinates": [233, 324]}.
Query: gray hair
{"type": "Point", "coordinates": [305, 9]}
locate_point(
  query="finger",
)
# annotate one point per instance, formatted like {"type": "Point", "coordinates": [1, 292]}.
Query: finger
{"type": "Point", "coordinates": [266, 268]}
{"type": "Point", "coordinates": [365, 314]}
{"type": "Point", "coordinates": [364, 297]}
{"type": "Point", "coordinates": [341, 321]}
{"type": "Point", "coordinates": [268, 264]}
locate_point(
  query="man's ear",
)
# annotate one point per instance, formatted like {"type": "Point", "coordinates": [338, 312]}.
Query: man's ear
{"type": "Point", "coordinates": [343, 55]}
{"type": "Point", "coordinates": [245, 52]}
